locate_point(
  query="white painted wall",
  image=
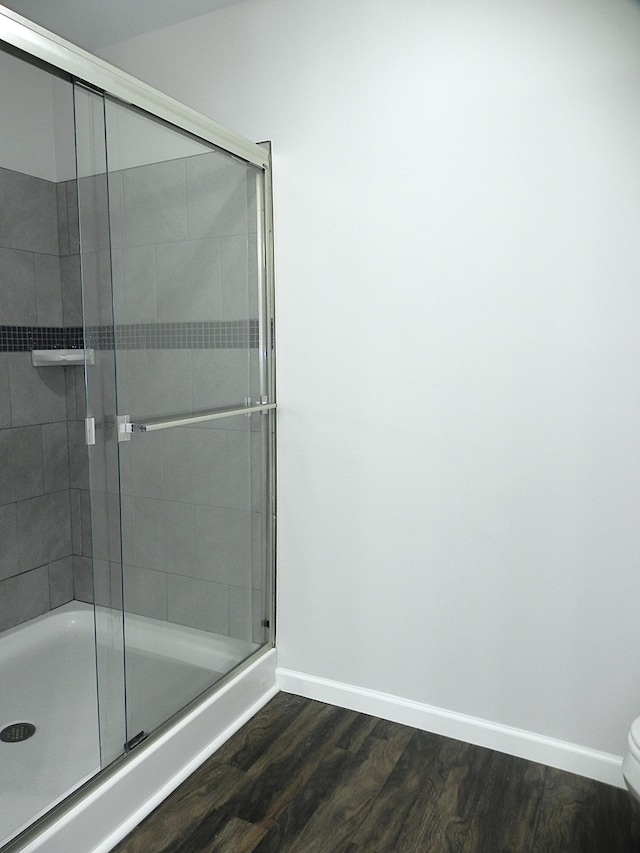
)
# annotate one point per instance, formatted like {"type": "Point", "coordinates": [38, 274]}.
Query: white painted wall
{"type": "Point", "coordinates": [458, 269]}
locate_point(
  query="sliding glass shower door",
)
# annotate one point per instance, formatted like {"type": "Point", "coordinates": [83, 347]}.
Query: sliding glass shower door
{"type": "Point", "coordinates": [176, 313]}
{"type": "Point", "coordinates": [137, 435]}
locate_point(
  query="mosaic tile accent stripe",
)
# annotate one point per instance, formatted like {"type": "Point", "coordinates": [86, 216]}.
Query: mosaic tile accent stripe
{"type": "Point", "coordinates": [27, 338]}
{"type": "Point", "coordinates": [73, 337]}
{"type": "Point", "coordinates": [229, 334]}
{"type": "Point", "coordinates": [226, 334]}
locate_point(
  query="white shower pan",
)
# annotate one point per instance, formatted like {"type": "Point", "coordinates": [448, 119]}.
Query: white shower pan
{"type": "Point", "coordinates": [48, 680]}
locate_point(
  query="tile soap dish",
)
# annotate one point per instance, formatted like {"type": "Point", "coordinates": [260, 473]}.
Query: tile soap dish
{"type": "Point", "coordinates": [61, 357]}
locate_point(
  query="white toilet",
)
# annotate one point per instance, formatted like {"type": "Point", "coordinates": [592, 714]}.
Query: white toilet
{"type": "Point", "coordinates": [631, 763]}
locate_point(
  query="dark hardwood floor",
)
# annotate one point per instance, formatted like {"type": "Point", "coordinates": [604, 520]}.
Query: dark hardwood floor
{"type": "Point", "coordinates": [307, 777]}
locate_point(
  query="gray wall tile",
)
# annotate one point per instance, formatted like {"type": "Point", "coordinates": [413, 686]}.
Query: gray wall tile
{"type": "Point", "coordinates": [93, 213]}
{"type": "Point", "coordinates": [240, 613]}
{"type": "Point", "coordinates": [5, 396]}
{"type": "Point", "coordinates": [155, 204]}
{"type": "Point", "coordinates": [86, 526]}
{"type": "Point", "coordinates": [238, 452]}
{"type": "Point", "coordinates": [44, 529]}
{"type": "Point", "coordinates": [145, 592]}
{"type": "Point", "coordinates": [24, 597]}
{"type": "Point", "coordinates": [63, 217]}
{"type": "Point", "coordinates": [254, 374]}
{"type": "Point", "coordinates": [61, 582]}
{"type": "Point", "coordinates": [76, 522]}
{"type": "Point", "coordinates": [101, 577]}
{"type": "Point", "coordinates": [117, 583]}
{"type": "Point", "coordinates": [189, 281]}
{"type": "Point", "coordinates": [116, 209]}
{"type": "Point", "coordinates": [101, 383]}
{"type": "Point", "coordinates": [28, 217]}
{"type": "Point", "coordinates": [194, 466]}
{"type": "Point", "coordinates": [252, 199]}
{"type": "Point", "coordinates": [71, 290]}
{"type": "Point", "coordinates": [198, 604]}
{"type": "Point", "coordinates": [70, 392]}
{"type": "Point", "coordinates": [220, 377]}
{"type": "Point", "coordinates": [258, 470]}
{"type": "Point", "coordinates": [110, 462]}
{"type": "Point", "coordinates": [18, 304]}
{"type": "Point", "coordinates": [48, 290]}
{"type": "Point", "coordinates": [141, 466]}
{"type": "Point", "coordinates": [73, 223]}
{"type": "Point", "coordinates": [235, 278]}
{"type": "Point", "coordinates": [164, 535]}
{"type": "Point", "coordinates": [78, 458]}
{"type": "Point", "coordinates": [37, 394]}
{"type": "Point", "coordinates": [35, 533]}
{"type": "Point", "coordinates": [134, 285]}
{"type": "Point", "coordinates": [21, 471]}
{"type": "Point", "coordinates": [9, 553]}
{"type": "Point", "coordinates": [101, 522]}
{"type": "Point", "coordinates": [160, 382]}
{"type": "Point", "coordinates": [55, 457]}
{"type": "Point", "coordinates": [81, 397]}
{"type": "Point", "coordinates": [258, 551]}
{"type": "Point", "coordinates": [97, 291]}
{"type": "Point", "coordinates": [222, 545]}
{"type": "Point", "coordinates": [254, 263]}
{"type": "Point", "coordinates": [128, 531]}
{"type": "Point", "coordinates": [216, 196]}
{"type": "Point", "coordinates": [82, 579]}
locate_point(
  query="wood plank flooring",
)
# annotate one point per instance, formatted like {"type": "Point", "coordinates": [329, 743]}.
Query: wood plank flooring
{"type": "Point", "coordinates": [305, 777]}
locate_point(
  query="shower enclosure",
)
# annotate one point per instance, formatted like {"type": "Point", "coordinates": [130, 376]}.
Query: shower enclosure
{"type": "Point", "coordinates": [137, 422]}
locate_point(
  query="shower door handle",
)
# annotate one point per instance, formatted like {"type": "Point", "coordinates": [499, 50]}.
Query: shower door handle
{"type": "Point", "coordinates": [126, 428]}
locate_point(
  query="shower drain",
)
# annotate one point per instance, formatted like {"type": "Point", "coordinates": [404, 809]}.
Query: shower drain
{"type": "Point", "coordinates": [17, 732]}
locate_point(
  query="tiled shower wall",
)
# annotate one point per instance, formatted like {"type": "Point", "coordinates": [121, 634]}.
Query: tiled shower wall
{"type": "Point", "coordinates": [192, 515]}
{"type": "Point", "coordinates": [35, 518]}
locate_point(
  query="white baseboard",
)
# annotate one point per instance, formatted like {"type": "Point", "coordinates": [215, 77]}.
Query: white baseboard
{"type": "Point", "coordinates": [601, 766]}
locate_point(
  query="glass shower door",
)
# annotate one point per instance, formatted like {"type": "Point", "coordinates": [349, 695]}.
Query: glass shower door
{"type": "Point", "coordinates": [193, 411]}
{"type": "Point", "coordinates": [98, 512]}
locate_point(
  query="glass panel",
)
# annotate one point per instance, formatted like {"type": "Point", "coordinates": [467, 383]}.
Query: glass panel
{"type": "Point", "coordinates": [186, 272]}
{"type": "Point", "coordinates": [153, 267]}
{"type": "Point", "coordinates": [47, 648]}
{"type": "Point", "coordinates": [101, 514]}
{"type": "Point", "coordinates": [187, 301]}
{"type": "Point", "coordinates": [194, 594]}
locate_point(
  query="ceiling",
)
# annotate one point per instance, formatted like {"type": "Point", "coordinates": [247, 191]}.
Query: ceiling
{"type": "Point", "coordinates": [93, 24]}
